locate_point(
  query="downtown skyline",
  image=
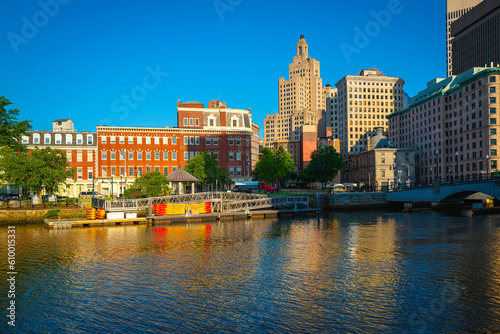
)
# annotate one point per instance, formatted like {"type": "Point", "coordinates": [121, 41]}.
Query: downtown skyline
{"type": "Point", "coordinates": [104, 64]}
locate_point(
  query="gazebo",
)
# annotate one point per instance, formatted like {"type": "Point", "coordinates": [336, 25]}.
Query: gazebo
{"type": "Point", "coordinates": [179, 177]}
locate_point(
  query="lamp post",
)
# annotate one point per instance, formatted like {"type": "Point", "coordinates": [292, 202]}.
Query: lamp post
{"type": "Point", "coordinates": [121, 186]}
{"type": "Point", "coordinates": [456, 159]}
{"type": "Point", "coordinates": [408, 178]}
{"type": "Point", "coordinates": [487, 165]}
{"type": "Point", "coordinates": [394, 172]}
{"type": "Point", "coordinates": [437, 158]}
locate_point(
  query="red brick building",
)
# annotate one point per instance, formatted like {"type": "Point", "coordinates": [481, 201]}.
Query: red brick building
{"type": "Point", "coordinates": [125, 153]}
{"type": "Point", "coordinates": [80, 149]}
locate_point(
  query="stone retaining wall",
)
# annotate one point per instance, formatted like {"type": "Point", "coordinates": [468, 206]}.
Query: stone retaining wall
{"type": "Point", "coordinates": [357, 200]}
{"type": "Point", "coordinates": [23, 216]}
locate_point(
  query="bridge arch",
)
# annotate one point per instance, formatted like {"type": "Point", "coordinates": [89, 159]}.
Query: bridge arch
{"type": "Point", "coordinates": [463, 195]}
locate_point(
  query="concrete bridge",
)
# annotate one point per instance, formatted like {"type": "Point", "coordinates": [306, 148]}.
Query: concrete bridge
{"type": "Point", "coordinates": [449, 192]}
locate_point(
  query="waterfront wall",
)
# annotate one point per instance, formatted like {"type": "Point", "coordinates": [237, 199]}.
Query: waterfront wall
{"type": "Point", "coordinates": [25, 216]}
{"type": "Point", "coordinates": [356, 200]}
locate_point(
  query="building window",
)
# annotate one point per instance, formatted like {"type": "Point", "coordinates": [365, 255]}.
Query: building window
{"type": "Point", "coordinates": [157, 155]}
{"type": "Point", "coordinates": [58, 139]}
{"type": "Point", "coordinates": [139, 140]}
{"type": "Point", "coordinates": [174, 155]}
{"type": "Point", "coordinates": [90, 156]}
{"type": "Point", "coordinates": [186, 155]}
{"type": "Point", "coordinates": [25, 140]}
{"type": "Point", "coordinates": [130, 140]}
{"type": "Point", "coordinates": [191, 140]}
{"type": "Point", "coordinates": [231, 141]}
{"type": "Point", "coordinates": [231, 171]}
{"type": "Point", "coordinates": [69, 139]}
{"type": "Point", "coordinates": [139, 171]}
{"type": "Point", "coordinates": [79, 157]}
{"type": "Point", "coordinates": [122, 171]}
{"type": "Point", "coordinates": [165, 155]}
{"type": "Point", "coordinates": [165, 170]}
{"type": "Point", "coordinates": [216, 141]}
{"type": "Point", "coordinates": [104, 155]}
{"type": "Point", "coordinates": [190, 122]}
{"type": "Point", "coordinates": [103, 139]}
{"type": "Point", "coordinates": [36, 139]}
{"type": "Point", "coordinates": [148, 140]}
{"type": "Point", "coordinates": [46, 139]}
{"type": "Point", "coordinates": [493, 152]}
{"type": "Point", "coordinates": [90, 173]}
{"type": "Point", "coordinates": [191, 155]}
{"type": "Point", "coordinates": [493, 100]}
{"type": "Point", "coordinates": [197, 140]}
{"type": "Point", "coordinates": [122, 139]}
{"type": "Point", "coordinates": [79, 173]}
{"type": "Point", "coordinates": [69, 155]}
{"type": "Point", "coordinates": [113, 171]}
{"type": "Point", "coordinates": [238, 171]}
{"type": "Point", "coordinates": [493, 121]}
{"type": "Point", "coordinates": [131, 155]}
{"type": "Point", "coordinates": [196, 122]}
{"type": "Point", "coordinates": [493, 142]}
{"type": "Point", "coordinates": [174, 140]}
{"type": "Point", "coordinates": [148, 155]}
{"type": "Point", "coordinates": [165, 140]}
{"type": "Point", "coordinates": [493, 110]}
{"type": "Point", "coordinates": [112, 155]}
{"type": "Point", "coordinates": [208, 141]}
{"type": "Point", "coordinates": [493, 79]}
{"type": "Point", "coordinates": [139, 155]}
{"type": "Point", "coordinates": [104, 171]}
{"type": "Point", "coordinates": [185, 121]}
{"type": "Point", "coordinates": [493, 90]}
{"type": "Point", "coordinates": [231, 156]}
{"type": "Point", "coordinates": [238, 156]}
{"type": "Point", "coordinates": [216, 155]}
{"type": "Point", "coordinates": [130, 171]}
{"type": "Point", "coordinates": [186, 139]}
{"type": "Point", "coordinates": [90, 139]}
{"type": "Point", "coordinates": [238, 142]}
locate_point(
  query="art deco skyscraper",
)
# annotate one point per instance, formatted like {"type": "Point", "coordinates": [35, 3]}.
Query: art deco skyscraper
{"type": "Point", "coordinates": [301, 100]}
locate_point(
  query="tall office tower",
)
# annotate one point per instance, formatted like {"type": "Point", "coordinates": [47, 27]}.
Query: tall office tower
{"type": "Point", "coordinates": [476, 37]}
{"type": "Point", "coordinates": [332, 110]}
{"type": "Point", "coordinates": [454, 10]}
{"type": "Point", "coordinates": [364, 102]}
{"type": "Point", "coordinates": [301, 100]}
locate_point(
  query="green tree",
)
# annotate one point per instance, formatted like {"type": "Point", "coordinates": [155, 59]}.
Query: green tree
{"type": "Point", "coordinates": [274, 165]}
{"type": "Point", "coordinates": [325, 164]}
{"type": "Point", "coordinates": [151, 184]}
{"type": "Point", "coordinates": [206, 169]}
{"type": "Point", "coordinates": [10, 129]}
{"type": "Point", "coordinates": [37, 169]}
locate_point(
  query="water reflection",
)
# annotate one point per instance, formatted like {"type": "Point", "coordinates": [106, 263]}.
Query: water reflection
{"type": "Point", "coordinates": [366, 272]}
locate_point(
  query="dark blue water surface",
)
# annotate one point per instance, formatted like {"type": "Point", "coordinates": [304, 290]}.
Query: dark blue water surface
{"type": "Point", "coordinates": [366, 272]}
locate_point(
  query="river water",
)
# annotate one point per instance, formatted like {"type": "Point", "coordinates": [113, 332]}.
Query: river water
{"type": "Point", "coordinates": [365, 272]}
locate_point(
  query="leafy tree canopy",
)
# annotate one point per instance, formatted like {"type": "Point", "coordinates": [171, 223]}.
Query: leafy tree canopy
{"type": "Point", "coordinates": [205, 168]}
{"type": "Point", "coordinates": [152, 184]}
{"type": "Point", "coordinates": [10, 129]}
{"type": "Point", "coordinates": [273, 165]}
{"type": "Point", "coordinates": [324, 166]}
{"type": "Point", "coordinates": [37, 169]}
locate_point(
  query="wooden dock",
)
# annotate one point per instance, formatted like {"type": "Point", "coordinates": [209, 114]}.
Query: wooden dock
{"type": "Point", "coordinates": [154, 220]}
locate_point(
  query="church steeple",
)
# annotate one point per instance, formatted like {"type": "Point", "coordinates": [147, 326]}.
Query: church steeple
{"type": "Point", "coordinates": [302, 48]}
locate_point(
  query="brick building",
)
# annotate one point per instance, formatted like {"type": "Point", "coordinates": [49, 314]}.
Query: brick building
{"type": "Point", "coordinates": [125, 153]}
{"type": "Point", "coordinates": [453, 126]}
{"type": "Point", "coordinates": [80, 149]}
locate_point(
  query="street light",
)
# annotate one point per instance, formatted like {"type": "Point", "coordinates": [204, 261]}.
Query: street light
{"type": "Point", "coordinates": [487, 165]}
{"type": "Point", "coordinates": [437, 158]}
{"type": "Point", "coordinates": [456, 159]}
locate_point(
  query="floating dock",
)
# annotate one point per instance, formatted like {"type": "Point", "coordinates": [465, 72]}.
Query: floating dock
{"type": "Point", "coordinates": [155, 220]}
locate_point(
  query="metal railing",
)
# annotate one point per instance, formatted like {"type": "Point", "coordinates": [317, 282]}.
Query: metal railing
{"type": "Point", "coordinates": [222, 201]}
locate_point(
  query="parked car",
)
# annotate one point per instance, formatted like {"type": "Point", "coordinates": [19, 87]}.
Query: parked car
{"type": "Point", "coordinates": [90, 194]}
{"type": "Point", "coordinates": [9, 197]}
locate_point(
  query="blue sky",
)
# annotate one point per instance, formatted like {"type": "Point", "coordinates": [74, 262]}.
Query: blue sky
{"type": "Point", "coordinates": [126, 63]}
